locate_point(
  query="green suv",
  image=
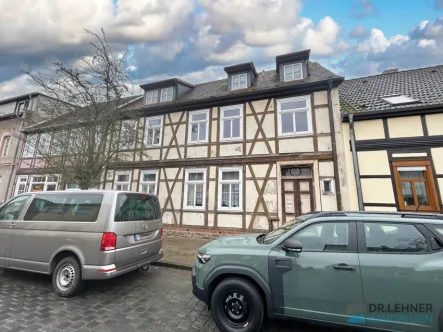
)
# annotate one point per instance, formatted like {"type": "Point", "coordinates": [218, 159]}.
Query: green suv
{"type": "Point", "coordinates": [357, 269]}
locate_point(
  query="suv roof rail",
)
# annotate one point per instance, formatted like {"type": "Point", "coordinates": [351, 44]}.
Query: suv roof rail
{"type": "Point", "coordinates": [399, 214]}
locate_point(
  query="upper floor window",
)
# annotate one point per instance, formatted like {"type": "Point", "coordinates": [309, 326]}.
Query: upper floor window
{"type": "Point", "coordinates": [44, 144]}
{"type": "Point", "coordinates": [6, 142]}
{"type": "Point", "coordinates": [293, 72]}
{"type": "Point", "coordinates": [152, 97]}
{"type": "Point", "coordinates": [166, 94]}
{"type": "Point", "coordinates": [123, 180]}
{"type": "Point", "coordinates": [30, 146]}
{"type": "Point", "coordinates": [128, 134]}
{"type": "Point", "coordinates": [21, 106]}
{"type": "Point", "coordinates": [231, 123]}
{"type": "Point", "coordinates": [153, 131]}
{"type": "Point", "coordinates": [239, 81]}
{"type": "Point", "coordinates": [294, 116]}
{"type": "Point", "coordinates": [198, 126]}
{"type": "Point", "coordinates": [148, 182]}
{"type": "Point", "coordinates": [195, 188]}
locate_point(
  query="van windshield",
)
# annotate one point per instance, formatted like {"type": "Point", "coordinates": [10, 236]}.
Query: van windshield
{"type": "Point", "coordinates": [132, 207]}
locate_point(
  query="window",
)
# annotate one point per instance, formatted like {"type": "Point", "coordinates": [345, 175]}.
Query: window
{"type": "Point", "coordinates": [394, 238]}
{"type": "Point", "coordinates": [152, 97]}
{"type": "Point", "coordinates": [6, 142]}
{"type": "Point", "coordinates": [293, 72]}
{"type": "Point", "coordinates": [123, 181]}
{"type": "Point", "coordinates": [198, 126]}
{"type": "Point", "coordinates": [43, 183]}
{"type": "Point", "coordinates": [30, 146]}
{"type": "Point", "coordinates": [65, 208]}
{"type": "Point", "coordinates": [131, 207]}
{"type": "Point", "coordinates": [166, 94]}
{"type": "Point", "coordinates": [44, 144]}
{"type": "Point", "coordinates": [72, 186]}
{"type": "Point", "coordinates": [296, 171]}
{"type": "Point", "coordinates": [294, 116]}
{"type": "Point", "coordinates": [22, 106]}
{"type": "Point", "coordinates": [415, 186]}
{"type": "Point", "coordinates": [230, 188]}
{"type": "Point", "coordinates": [12, 210]}
{"type": "Point", "coordinates": [328, 187]}
{"type": "Point", "coordinates": [21, 185]}
{"type": "Point", "coordinates": [59, 143]}
{"type": "Point", "coordinates": [324, 237]}
{"type": "Point", "coordinates": [399, 99]}
{"type": "Point", "coordinates": [148, 182]}
{"type": "Point", "coordinates": [195, 188]}
{"type": "Point", "coordinates": [232, 123]}
{"type": "Point", "coordinates": [128, 134]}
{"type": "Point", "coordinates": [239, 81]}
{"type": "Point", "coordinates": [153, 131]}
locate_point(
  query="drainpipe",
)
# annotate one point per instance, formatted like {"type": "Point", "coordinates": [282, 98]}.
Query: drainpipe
{"type": "Point", "coordinates": [334, 147]}
{"type": "Point", "coordinates": [11, 168]}
{"type": "Point", "coordinates": [355, 162]}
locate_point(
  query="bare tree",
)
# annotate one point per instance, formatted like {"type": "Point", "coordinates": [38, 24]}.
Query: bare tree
{"type": "Point", "coordinates": [82, 127]}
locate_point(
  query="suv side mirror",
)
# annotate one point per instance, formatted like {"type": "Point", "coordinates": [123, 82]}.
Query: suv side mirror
{"type": "Point", "coordinates": [292, 245]}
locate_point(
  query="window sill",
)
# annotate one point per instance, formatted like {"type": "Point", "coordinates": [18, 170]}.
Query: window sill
{"type": "Point", "coordinates": [198, 143]}
{"type": "Point", "coordinates": [193, 209]}
{"type": "Point", "coordinates": [233, 140]}
{"type": "Point", "coordinates": [236, 210]}
{"type": "Point", "coordinates": [307, 134]}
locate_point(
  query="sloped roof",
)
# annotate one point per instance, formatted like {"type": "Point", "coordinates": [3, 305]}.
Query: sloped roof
{"type": "Point", "coordinates": [265, 80]}
{"type": "Point", "coordinates": [364, 94]}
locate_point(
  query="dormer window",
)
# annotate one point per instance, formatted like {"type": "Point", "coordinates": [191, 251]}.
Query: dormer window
{"type": "Point", "coordinates": [22, 106]}
{"type": "Point", "coordinates": [166, 94]}
{"type": "Point", "coordinates": [293, 72]}
{"type": "Point", "coordinates": [239, 81]}
{"type": "Point", "coordinates": [152, 97]}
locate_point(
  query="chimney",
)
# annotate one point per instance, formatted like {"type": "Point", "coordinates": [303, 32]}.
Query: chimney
{"type": "Point", "coordinates": [390, 71]}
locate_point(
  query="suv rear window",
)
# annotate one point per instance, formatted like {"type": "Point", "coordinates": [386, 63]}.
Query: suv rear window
{"type": "Point", "coordinates": [133, 207]}
{"type": "Point", "coordinates": [76, 207]}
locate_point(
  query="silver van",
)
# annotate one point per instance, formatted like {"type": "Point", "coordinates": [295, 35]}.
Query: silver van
{"type": "Point", "coordinates": [80, 235]}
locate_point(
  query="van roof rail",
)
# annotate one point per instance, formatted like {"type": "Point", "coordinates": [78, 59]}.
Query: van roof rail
{"type": "Point", "coordinates": [380, 213]}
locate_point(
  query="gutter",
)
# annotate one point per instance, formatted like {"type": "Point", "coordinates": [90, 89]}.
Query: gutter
{"type": "Point", "coordinates": [334, 147]}
{"type": "Point", "coordinates": [355, 163]}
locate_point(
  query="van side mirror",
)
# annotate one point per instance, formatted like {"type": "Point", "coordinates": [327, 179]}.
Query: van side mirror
{"type": "Point", "coordinates": [292, 245]}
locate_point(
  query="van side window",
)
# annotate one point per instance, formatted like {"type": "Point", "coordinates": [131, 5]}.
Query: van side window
{"type": "Point", "coordinates": [65, 207]}
{"type": "Point", "coordinates": [12, 210]}
{"type": "Point", "coordinates": [396, 238]}
{"type": "Point", "coordinates": [132, 207]}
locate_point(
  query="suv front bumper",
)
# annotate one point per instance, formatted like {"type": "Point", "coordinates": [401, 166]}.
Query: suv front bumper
{"type": "Point", "coordinates": [198, 292]}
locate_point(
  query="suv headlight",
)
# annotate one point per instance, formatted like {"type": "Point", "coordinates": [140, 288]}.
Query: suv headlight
{"type": "Point", "coordinates": [203, 258]}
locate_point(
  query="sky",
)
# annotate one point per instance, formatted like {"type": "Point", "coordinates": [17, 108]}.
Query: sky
{"type": "Point", "coordinates": [195, 39]}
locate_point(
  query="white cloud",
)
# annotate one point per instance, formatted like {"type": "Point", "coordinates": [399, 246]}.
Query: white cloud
{"type": "Point", "coordinates": [18, 86]}
{"type": "Point", "coordinates": [377, 42]}
{"type": "Point", "coordinates": [321, 39]}
{"type": "Point", "coordinates": [426, 43]}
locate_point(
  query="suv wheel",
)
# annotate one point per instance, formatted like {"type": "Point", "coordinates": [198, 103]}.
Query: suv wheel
{"type": "Point", "coordinates": [67, 280]}
{"type": "Point", "coordinates": [237, 306]}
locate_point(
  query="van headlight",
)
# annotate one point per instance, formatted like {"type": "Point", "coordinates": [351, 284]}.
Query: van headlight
{"type": "Point", "coordinates": [203, 258]}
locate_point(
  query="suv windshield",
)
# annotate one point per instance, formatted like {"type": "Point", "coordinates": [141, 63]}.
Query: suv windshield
{"type": "Point", "coordinates": [275, 234]}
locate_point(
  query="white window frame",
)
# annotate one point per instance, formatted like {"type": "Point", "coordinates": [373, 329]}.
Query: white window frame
{"type": "Point", "coordinates": [307, 109]}
{"type": "Point", "coordinates": [191, 122]}
{"type": "Point", "coordinates": [29, 150]}
{"type": "Point", "coordinates": [188, 182]}
{"type": "Point", "coordinates": [125, 126]}
{"type": "Point", "coordinates": [45, 184]}
{"type": "Point", "coordinates": [141, 182]}
{"type": "Point", "coordinates": [25, 106]}
{"type": "Point", "coordinates": [240, 188]}
{"type": "Point", "coordinates": [222, 122]}
{"type": "Point", "coordinates": [292, 65]}
{"type": "Point", "coordinates": [17, 184]}
{"type": "Point", "coordinates": [166, 91]}
{"type": "Point", "coordinates": [40, 146]}
{"type": "Point", "coordinates": [151, 97]}
{"type": "Point", "coordinates": [5, 147]}
{"type": "Point", "coordinates": [116, 183]}
{"type": "Point", "coordinates": [147, 128]}
{"type": "Point", "coordinates": [239, 76]}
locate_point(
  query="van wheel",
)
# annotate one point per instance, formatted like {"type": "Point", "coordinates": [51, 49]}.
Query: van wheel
{"type": "Point", "coordinates": [67, 279]}
{"type": "Point", "coordinates": [237, 306]}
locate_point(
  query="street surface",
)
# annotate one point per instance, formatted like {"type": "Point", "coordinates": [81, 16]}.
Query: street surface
{"type": "Point", "coordinates": [159, 300]}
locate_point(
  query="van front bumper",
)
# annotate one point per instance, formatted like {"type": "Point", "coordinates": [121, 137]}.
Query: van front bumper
{"type": "Point", "coordinates": [198, 292]}
{"type": "Point", "coordinates": [94, 272]}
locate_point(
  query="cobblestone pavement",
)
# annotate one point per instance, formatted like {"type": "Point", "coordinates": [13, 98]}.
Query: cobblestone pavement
{"type": "Point", "coordinates": [158, 300]}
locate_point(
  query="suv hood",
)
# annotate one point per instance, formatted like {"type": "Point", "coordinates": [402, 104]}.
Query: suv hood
{"type": "Point", "coordinates": [241, 240]}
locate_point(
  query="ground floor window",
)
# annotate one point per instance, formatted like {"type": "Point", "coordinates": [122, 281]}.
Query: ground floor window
{"type": "Point", "coordinates": [195, 183]}
{"type": "Point", "coordinates": [122, 181]}
{"type": "Point", "coordinates": [43, 183]}
{"type": "Point", "coordinates": [415, 186]}
{"type": "Point", "coordinates": [148, 182]}
{"type": "Point", "coordinates": [230, 188]}
{"type": "Point", "coordinates": [21, 186]}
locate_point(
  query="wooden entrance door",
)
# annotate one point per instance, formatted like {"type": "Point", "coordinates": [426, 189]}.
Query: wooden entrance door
{"type": "Point", "coordinates": [298, 198]}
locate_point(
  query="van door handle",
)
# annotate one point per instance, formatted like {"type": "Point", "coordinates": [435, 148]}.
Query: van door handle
{"type": "Point", "coordinates": [143, 252]}
{"type": "Point", "coordinates": [12, 225]}
{"type": "Point", "coordinates": [344, 267]}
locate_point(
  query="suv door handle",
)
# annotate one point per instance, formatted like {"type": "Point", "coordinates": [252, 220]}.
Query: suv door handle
{"type": "Point", "coordinates": [12, 225]}
{"type": "Point", "coordinates": [344, 267]}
